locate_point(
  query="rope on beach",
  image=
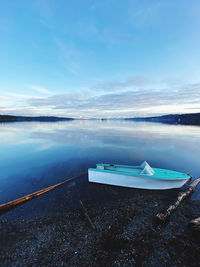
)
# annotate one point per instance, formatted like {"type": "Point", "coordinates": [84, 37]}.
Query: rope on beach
{"type": "Point", "coordinates": [14, 203]}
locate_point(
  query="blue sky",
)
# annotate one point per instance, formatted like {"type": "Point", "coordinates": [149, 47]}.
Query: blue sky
{"type": "Point", "coordinates": [108, 58]}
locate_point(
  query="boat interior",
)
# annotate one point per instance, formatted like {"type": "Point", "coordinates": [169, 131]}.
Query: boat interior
{"type": "Point", "coordinates": [143, 169]}
{"type": "Point", "coordinates": [112, 167]}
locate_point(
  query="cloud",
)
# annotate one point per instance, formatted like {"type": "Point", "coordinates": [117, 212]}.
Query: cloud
{"type": "Point", "coordinates": [121, 28]}
{"type": "Point", "coordinates": [45, 8]}
{"type": "Point", "coordinates": [109, 35]}
{"type": "Point", "coordinates": [136, 100]}
{"type": "Point", "coordinates": [136, 96]}
{"type": "Point", "coordinates": [144, 14]}
{"type": "Point", "coordinates": [5, 98]}
{"type": "Point", "coordinates": [68, 55]}
{"type": "Point", "coordinates": [23, 96]}
{"type": "Point", "coordinates": [61, 100]}
{"type": "Point", "coordinates": [40, 89]}
{"type": "Point", "coordinates": [133, 82]}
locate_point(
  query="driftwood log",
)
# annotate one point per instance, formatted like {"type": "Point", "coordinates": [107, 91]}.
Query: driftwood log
{"type": "Point", "coordinates": [84, 210]}
{"type": "Point", "coordinates": [14, 203]}
{"type": "Point", "coordinates": [195, 224]}
{"type": "Point", "coordinates": [181, 196]}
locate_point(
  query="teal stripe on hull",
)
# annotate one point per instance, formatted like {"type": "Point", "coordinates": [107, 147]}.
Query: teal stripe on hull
{"type": "Point", "coordinates": [159, 173]}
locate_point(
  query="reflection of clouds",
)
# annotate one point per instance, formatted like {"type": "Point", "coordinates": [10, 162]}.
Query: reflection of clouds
{"type": "Point", "coordinates": [133, 135]}
{"type": "Point", "coordinates": [126, 142]}
{"type": "Point", "coordinates": [66, 132]}
{"type": "Point", "coordinates": [174, 145]}
{"type": "Point", "coordinates": [130, 136]}
{"type": "Point", "coordinates": [44, 147]}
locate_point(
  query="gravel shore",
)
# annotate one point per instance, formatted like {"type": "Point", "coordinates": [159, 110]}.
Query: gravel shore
{"type": "Point", "coordinates": [126, 233]}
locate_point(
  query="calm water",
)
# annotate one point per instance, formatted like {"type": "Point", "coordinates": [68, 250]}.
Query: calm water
{"type": "Point", "coordinates": [34, 155]}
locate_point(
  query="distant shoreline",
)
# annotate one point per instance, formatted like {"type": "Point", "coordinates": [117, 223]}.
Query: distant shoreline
{"type": "Point", "coordinates": [183, 119]}
{"type": "Point", "coordinates": [11, 118]}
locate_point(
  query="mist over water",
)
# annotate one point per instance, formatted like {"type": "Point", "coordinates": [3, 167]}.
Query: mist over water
{"type": "Point", "coordinates": [34, 155]}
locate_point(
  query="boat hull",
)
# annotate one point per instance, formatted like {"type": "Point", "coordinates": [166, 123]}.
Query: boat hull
{"type": "Point", "coordinates": [120, 179]}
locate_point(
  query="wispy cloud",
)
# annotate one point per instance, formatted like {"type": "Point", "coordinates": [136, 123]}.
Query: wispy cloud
{"type": "Point", "coordinates": [142, 14]}
{"type": "Point", "coordinates": [45, 8]}
{"type": "Point", "coordinates": [39, 89]}
{"type": "Point", "coordinates": [109, 36]}
{"type": "Point", "coordinates": [135, 82]}
{"type": "Point", "coordinates": [68, 55]}
{"type": "Point", "coordinates": [23, 96]}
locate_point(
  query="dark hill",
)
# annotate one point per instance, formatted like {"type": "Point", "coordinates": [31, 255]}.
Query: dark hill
{"type": "Point", "coordinates": [10, 118]}
{"type": "Point", "coordinates": [185, 119]}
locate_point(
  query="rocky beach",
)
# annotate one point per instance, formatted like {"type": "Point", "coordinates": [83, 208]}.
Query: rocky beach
{"type": "Point", "coordinates": [126, 232]}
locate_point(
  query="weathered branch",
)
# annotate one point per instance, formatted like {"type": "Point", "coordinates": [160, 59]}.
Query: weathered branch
{"type": "Point", "coordinates": [181, 196]}
{"type": "Point", "coordinates": [14, 203]}
{"type": "Point", "coordinates": [86, 214]}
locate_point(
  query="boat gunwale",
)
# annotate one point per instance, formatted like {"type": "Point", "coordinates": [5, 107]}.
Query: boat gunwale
{"type": "Point", "coordinates": [123, 166]}
{"type": "Point", "coordinates": [143, 176]}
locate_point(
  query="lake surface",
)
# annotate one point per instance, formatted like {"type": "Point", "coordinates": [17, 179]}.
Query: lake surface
{"type": "Point", "coordinates": [34, 155]}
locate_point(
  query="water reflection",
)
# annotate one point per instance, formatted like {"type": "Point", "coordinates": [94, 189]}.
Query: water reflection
{"type": "Point", "coordinates": [35, 154]}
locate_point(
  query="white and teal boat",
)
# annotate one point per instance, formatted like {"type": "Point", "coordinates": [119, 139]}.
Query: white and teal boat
{"type": "Point", "coordinates": [142, 176]}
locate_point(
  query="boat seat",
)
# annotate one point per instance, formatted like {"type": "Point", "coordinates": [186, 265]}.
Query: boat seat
{"type": "Point", "coordinates": [102, 167]}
